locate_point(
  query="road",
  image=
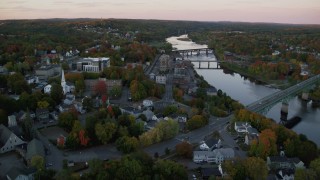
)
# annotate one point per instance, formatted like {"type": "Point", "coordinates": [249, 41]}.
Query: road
{"type": "Point", "coordinates": [198, 135]}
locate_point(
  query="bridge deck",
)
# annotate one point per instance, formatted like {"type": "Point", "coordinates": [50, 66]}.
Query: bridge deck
{"type": "Point", "coordinates": [272, 99]}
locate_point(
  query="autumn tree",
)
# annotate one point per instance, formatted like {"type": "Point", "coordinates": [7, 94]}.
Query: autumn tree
{"type": "Point", "coordinates": [266, 146]}
{"type": "Point", "coordinates": [100, 88]}
{"type": "Point", "coordinates": [37, 162]}
{"type": "Point", "coordinates": [184, 149]}
{"type": "Point", "coordinates": [256, 168]}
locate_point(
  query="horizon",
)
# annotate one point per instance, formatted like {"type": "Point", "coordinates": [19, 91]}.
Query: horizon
{"type": "Point", "coordinates": [247, 11]}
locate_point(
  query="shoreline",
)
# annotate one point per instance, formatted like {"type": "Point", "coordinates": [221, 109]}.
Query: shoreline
{"type": "Point", "coordinates": [267, 83]}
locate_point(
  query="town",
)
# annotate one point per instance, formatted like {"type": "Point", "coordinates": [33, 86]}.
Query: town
{"type": "Point", "coordinates": [120, 108]}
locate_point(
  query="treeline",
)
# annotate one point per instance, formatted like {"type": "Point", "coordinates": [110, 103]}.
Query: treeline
{"type": "Point", "coordinates": [273, 137]}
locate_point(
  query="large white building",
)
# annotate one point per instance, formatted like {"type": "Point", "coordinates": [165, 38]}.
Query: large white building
{"type": "Point", "coordinates": [93, 64]}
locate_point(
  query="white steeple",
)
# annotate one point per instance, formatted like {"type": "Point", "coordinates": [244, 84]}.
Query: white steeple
{"type": "Point", "coordinates": [63, 82]}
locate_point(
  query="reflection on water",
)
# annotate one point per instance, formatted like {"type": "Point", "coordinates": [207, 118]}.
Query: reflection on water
{"type": "Point", "coordinates": [247, 91]}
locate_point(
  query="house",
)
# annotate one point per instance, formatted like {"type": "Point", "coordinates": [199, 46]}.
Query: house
{"type": "Point", "coordinates": [279, 162]}
{"type": "Point", "coordinates": [161, 79]}
{"type": "Point", "coordinates": [12, 121]}
{"type": "Point", "coordinates": [149, 114]}
{"type": "Point", "coordinates": [251, 135]}
{"type": "Point", "coordinates": [8, 140]}
{"type": "Point", "coordinates": [207, 172]}
{"type": "Point", "coordinates": [241, 127]}
{"type": "Point", "coordinates": [70, 98]}
{"type": "Point", "coordinates": [42, 114]}
{"type": "Point", "coordinates": [210, 144]}
{"type": "Point", "coordinates": [20, 173]}
{"type": "Point", "coordinates": [285, 174]}
{"type": "Point", "coordinates": [130, 110]}
{"type": "Point", "coordinates": [65, 107]}
{"type": "Point", "coordinates": [79, 107]}
{"type": "Point", "coordinates": [147, 103]}
{"type": "Point", "coordinates": [34, 148]}
{"type": "Point", "coordinates": [31, 79]}
{"type": "Point", "coordinates": [217, 156]}
{"type": "Point", "coordinates": [47, 89]}
{"type": "Point", "coordinates": [212, 91]}
{"type": "Point", "coordinates": [297, 163]}
{"type": "Point", "coordinates": [152, 76]}
{"type": "Point", "coordinates": [46, 71]}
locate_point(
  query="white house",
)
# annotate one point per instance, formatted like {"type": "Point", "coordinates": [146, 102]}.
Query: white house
{"type": "Point", "coordinates": [284, 174]}
{"type": "Point", "coordinates": [217, 156]}
{"type": "Point", "coordinates": [8, 140]}
{"type": "Point", "coordinates": [161, 79]}
{"type": "Point", "coordinates": [210, 144]}
{"type": "Point", "coordinates": [241, 127]}
{"type": "Point", "coordinates": [47, 89]}
{"type": "Point", "coordinates": [147, 103]}
{"type": "Point", "coordinates": [32, 79]}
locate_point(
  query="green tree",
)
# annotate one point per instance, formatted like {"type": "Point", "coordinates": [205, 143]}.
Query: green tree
{"type": "Point", "coordinates": [56, 93]}
{"type": "Point", "coordinates": [127, 144]}
{"type": "Point", "coordinates": [104, 132]}
{"type": "Point", "coordinates": [315, 166]}
{"type": "Point", "coordinates": [67, 119]}
{"type": "Point", "coordinates": [166, 169]}
{"type": "Point", "coordinates": [115, 92]}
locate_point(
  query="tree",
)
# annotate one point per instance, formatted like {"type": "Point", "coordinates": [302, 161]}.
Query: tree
{"type": "Point", "coordinates": [196, 122]}
{"type": "Point", "coordinates": [184, 149]}
{"type": "Point", "coordinates": [100, 88]}
{"type": "Point", "coordinates": [67, 119]}
{"type": "Point", "coordinates": [17, 83]}
{"type": "Point", "coordinates": [129, 168]}
{"type": "Point", "coordinates": [166, 169]}
{"type": "Point", "coordinates": [42, 104]}
{"type": "Point", "coordinates": [104, 132]}
{"type": "Point", "coordinates": [115, 91]}
{"type": "Point", "coordinates": [127, 144]}
{"type": "Point", "coordinates": [256, 168]}
{"type": "Point", "coordinates": [303, 174]}
{"type": "Point", "coordinates": [315, 166]}
{"type": "Point", "coordinates": [37, 162]}
{"type": "Point", "coordinates": [56, 93]}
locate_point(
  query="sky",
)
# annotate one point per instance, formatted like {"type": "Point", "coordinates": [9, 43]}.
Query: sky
{"type": "Point", "coordinates": [277, 11]}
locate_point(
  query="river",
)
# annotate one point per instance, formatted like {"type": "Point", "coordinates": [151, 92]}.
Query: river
{"type": "Point", "coordinates": [246, 92]}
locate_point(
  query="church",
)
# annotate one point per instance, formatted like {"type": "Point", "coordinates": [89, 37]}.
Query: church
{"type": "Point", "coordinates": [66, 86]}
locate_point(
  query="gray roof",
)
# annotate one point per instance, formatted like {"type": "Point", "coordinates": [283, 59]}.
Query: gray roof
{"type": "Point", "coordinates": [14, 172]}
{"type": "Point", "coordinates": [4, 134]}
{"type": "Point", "coordinates": [211, 142]}
{"type": "Point", "coordinates": [35, 147]}
{"type": "Point", "coordinates": [278, 159]}
{"type": "Point", "coordinates": [226, 152]}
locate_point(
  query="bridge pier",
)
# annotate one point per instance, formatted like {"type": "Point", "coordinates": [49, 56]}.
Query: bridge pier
{"type": "Point", "coordinates": [305, 96]}
{"type": "Point", "coordinates": [284, 113]}
{"type": "Point", "coordinates": [199, 65]}
{"type": "Point", "coordinates": [207, 52]}
{"type": "Point", "coordinates": [208, 64]}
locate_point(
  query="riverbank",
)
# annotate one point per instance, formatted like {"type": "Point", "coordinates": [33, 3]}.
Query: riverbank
{"type": "Point", "coordinates": [277, 84]}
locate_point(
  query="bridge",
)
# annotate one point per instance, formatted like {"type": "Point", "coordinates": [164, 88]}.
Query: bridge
{"type": "Point", "coordinates": [263, 105]}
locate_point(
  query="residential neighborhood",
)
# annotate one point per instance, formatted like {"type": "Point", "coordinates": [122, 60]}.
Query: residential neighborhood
{"type": "Point", "coordinates": [111, 101]}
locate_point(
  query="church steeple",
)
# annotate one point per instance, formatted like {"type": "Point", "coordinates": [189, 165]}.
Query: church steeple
{"type": "Point", "coordinates": [63, 82]}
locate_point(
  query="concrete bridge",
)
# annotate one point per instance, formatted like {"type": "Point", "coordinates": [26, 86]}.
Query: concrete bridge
{"type": "Point", "coordinates": [263, 105]}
